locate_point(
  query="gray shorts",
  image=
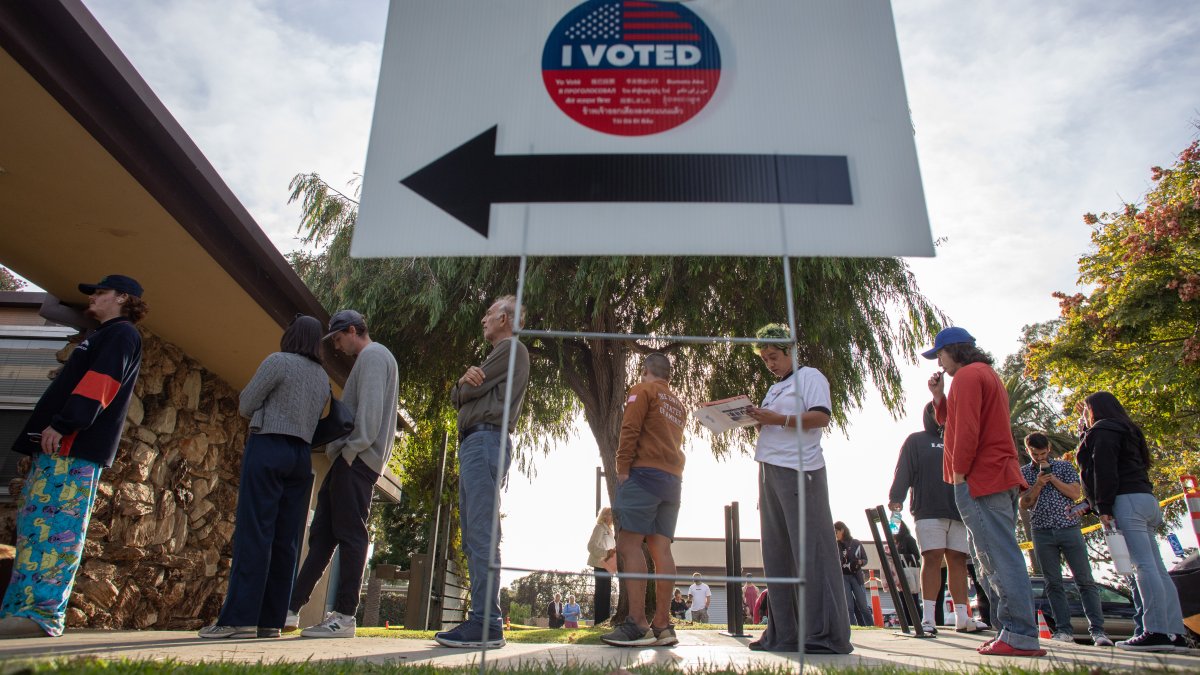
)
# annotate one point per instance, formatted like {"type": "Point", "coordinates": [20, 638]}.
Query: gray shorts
{"type": "Point", "coordinates": [637, 510]}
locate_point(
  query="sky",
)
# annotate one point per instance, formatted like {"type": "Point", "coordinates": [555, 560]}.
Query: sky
{"type": "Point", "coordinates": [1027, 115]}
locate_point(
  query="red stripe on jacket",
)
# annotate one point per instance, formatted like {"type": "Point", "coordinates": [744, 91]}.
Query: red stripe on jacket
{"type": "Point", "coordinates": [98, 387]}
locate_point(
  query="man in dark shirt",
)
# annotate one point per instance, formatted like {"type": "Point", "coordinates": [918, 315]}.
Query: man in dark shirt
{"type": "Point", "coordinates": [1054, 488]}
{"type": "Point", "coordinates": [72, 436]}
{"type": "Point", "coordinates": [940, 532]}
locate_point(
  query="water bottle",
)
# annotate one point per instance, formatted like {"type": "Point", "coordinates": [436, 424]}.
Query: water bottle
{"type": "Point", "coordinates": [1175, 545]}
{"type": "Point", "coordinates": [895, 521]}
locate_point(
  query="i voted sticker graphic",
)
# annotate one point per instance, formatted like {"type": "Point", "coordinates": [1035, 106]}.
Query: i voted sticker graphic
{"type": "Point", "coordinates": [631, 67]}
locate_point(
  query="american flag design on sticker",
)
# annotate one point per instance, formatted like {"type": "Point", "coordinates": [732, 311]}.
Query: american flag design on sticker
{"type": "Point", "coordinates": [631, 67]}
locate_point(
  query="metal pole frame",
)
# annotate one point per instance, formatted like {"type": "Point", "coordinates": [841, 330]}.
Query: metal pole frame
{"type": "Point", "coordinates": [875, 516]}
{"type": "Point", "coordinates": [493, 564]}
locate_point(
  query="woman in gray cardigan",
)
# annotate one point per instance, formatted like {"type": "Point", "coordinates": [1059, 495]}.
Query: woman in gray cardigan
{"type": "Point", "coordinates": [284, 400]}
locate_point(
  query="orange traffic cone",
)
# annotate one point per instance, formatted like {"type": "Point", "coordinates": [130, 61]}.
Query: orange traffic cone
{"type": "Point", "coordinates": [874, 585]}
{"type": "Point", "coordinates": [1043, 629]}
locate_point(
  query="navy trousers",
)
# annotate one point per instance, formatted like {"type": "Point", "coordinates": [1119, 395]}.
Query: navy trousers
{"type": "Point", "coordinates": [271, 509]}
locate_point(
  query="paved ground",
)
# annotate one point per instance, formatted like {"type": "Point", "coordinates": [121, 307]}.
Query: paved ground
{"type": "Point", "coordinates": [872, 648]}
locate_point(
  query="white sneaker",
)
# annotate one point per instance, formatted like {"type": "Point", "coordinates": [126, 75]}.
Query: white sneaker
{"type": "Point", "coordinates": [335, 625]}
{"type": "Point", "coordinates": [292, 623]}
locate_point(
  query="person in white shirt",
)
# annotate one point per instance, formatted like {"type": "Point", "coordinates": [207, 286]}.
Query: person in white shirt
{"type": "Point", "coordinates": [700, 597]}
{"type": "Point", "coordinates": [801, 399]}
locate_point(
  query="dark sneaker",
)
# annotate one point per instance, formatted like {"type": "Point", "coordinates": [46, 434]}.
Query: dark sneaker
{"type": "Point", "coordinates": [1148, 642]}
{"type": "Point", "coordinates": [1181, 643]}
{"type": "Point", "coordinates": [629, 635]}
{"type": "Point", "coordinates": [469, 634]}
{"type": "Point", "coordinates": [269, 632]}
{"type": "Point", "coordinates": [999, 647]}
{"type": "Point", "coordinates": [664, 637]}
{"type": "Point", "coordinates": [1102, 640]}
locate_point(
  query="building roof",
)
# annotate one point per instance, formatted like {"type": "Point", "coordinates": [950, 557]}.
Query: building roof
{"type": "Point", "coordinates": [97, 177]}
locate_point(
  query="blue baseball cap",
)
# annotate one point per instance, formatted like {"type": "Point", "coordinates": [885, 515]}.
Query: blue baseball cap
{"type": "Point", "coordinates": [948, 336]}
{"type": "Point", "coordinates": [116, 282]}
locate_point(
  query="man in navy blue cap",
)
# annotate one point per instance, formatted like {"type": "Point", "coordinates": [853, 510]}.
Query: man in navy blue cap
{"type": "Point", "coordinates": [72, 435]}
{"type": "Point", "coordinates": [980, 461]}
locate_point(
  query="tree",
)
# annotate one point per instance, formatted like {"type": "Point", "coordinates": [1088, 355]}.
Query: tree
{"type": "Point", "coordinates": [10, 281]}
{"type": "Point", "coordinates": [1033, 405]}
{"type": "Point", "coordinates": [1136, 331]}
{"type": "Point", "coordinates": [856, 317]}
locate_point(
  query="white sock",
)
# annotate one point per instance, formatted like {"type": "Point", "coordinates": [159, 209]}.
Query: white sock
{"type": "Point", "coordinates": [961, 618]}
{"type": "Point", "coordinates": [929, 612]}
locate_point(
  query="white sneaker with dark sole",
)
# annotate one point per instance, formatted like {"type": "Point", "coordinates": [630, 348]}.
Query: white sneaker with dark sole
{"type": "Point", "coordinates": [335, 625]}
{"type": "Point", "coordinates": [292, 623]}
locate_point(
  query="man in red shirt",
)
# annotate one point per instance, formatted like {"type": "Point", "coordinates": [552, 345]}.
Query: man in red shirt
{"type": "Point", "coordinates": [980, 460]}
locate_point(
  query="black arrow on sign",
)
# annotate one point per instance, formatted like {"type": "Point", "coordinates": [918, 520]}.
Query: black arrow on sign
{"type": "Point", "coordinates": [466, 181]}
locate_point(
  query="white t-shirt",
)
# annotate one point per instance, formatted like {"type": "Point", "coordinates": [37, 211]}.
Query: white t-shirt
{"type": "Point", "coordinates": [777, 445]}
{"type": "Point", "coordinates": [700, 595]}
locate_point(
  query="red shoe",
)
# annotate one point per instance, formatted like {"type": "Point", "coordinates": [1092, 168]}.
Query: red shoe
{"type": "Point", "coordinates": [1001, 648]}
{"type": "Point", "coordinates": [985, 645]}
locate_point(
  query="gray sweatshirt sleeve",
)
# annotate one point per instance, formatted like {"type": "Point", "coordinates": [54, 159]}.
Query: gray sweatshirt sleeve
{"type": "Point", "coordinates": [260, 387]}
{"type": "Point", "coordinates": [371, 406]}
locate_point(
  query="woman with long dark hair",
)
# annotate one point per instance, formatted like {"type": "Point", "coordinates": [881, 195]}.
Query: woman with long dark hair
{"type": "Point", "coordinates": [1114, 461]}
{"type": "Point", "coordinates": [284, 401]}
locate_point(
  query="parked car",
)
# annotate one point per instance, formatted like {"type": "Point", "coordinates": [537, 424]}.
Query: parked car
{"type": "Point", "coordinates": [1115, 605]}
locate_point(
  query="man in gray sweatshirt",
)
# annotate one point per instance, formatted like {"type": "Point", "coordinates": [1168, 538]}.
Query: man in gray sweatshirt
{"type": "Point", "coordinates": [357, 460]}
{"type": "Point", "coordinates": [479, 398]}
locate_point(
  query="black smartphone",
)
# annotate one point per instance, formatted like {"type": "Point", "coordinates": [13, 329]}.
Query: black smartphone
{"type": "Point", "coordinates": [1077, 510]}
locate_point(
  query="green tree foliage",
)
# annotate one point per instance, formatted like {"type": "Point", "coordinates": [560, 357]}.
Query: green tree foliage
{"type": "Point", "coordinates": [536, 590]}
{"type": "Point", "coordinates": [1136, 331]}
{"type": "Point", "coordinates": [10, 281]}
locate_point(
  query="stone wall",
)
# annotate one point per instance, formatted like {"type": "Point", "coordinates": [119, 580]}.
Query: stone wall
{"type": "Point", "coordinates": [158, 547]}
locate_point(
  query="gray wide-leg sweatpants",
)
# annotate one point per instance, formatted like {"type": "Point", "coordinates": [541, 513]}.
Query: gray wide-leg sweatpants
{"type": "Point", "coordinates": [827, 621]}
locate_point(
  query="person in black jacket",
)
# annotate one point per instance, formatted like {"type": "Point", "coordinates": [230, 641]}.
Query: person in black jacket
{"type": "Point", "coordinates": [1114, 460]}
{"type": "Point", "coordinates": [854, 556]}
{"type": "Point", "coordinates": [72, 435]}
{"type": "Point", "coordinates": [940, 532]}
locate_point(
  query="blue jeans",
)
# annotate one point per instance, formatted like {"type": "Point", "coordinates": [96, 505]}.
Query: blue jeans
{"type": "Point", "coordinates": [991, 522]}
{"type": "Point", "coordinates": [479, 479]}
{"type": "Point", "coordinates": [1137, 517]}
{"type": "Point", "coordinates": [856, 600]}
{"type": "Point", "coordinates": [1053, 545]}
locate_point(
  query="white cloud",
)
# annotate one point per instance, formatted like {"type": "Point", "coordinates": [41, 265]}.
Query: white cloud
{"type": "Point", "coordinates": [263, 96]}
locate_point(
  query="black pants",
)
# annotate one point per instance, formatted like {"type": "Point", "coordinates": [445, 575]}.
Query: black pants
{"type": "Point", "coordinates": [272, 503]}
{"type": "Point", "coordinates": [603, 596]}
{"type": "Point", "coordinates": [343, 508]}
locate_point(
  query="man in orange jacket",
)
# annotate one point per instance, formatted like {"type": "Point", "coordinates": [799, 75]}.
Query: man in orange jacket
{"type": "Point", "coordinates": [980, 460]}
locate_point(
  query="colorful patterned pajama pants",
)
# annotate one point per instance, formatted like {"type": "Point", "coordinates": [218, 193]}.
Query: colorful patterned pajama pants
{"type": "Point", "coordinates": [52, 522]}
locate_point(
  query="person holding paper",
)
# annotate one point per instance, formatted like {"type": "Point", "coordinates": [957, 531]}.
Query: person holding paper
{"type": "Point", "coordinates": [798, 399]}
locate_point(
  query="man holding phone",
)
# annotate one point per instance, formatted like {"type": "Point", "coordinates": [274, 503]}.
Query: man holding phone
{"type": "Point", "coordinates": [1054, 488]}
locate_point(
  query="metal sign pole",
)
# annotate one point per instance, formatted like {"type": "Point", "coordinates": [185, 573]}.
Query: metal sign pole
{"type": "Point", "coordinates": [801, 546]}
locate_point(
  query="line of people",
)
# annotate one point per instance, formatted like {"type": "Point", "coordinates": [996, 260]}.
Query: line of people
{"type": "Point", "coordinates": [973, 509]}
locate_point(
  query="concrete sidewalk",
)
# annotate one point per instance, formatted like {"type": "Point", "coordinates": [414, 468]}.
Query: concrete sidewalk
{"type": "Point", "coordinates": [696, 648]}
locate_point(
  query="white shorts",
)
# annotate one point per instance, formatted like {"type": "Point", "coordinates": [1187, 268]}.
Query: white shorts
{"type": "Point", "coordinates": [935, 533]}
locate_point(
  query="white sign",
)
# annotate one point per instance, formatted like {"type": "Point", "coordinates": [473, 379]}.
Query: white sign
{"type": "Point", "coordinates": [641, 127]}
